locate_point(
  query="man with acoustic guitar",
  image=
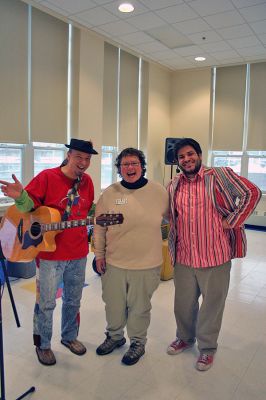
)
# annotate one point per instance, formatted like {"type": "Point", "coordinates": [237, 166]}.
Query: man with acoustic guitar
{"type": "Point", "coordinates": [69, 190]}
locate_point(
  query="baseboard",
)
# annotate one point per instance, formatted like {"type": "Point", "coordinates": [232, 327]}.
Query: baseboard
{"type": "Point", "coordinates": [255, 227]}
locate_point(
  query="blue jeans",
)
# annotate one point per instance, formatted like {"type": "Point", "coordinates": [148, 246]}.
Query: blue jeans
{"type": "Point", "coordinates": [51, 274]}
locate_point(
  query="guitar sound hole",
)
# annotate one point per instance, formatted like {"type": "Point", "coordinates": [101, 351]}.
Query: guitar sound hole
{"type": "Point", "coordinates": [35, 229]}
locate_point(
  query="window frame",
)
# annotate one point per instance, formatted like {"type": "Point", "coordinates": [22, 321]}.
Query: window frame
{"type": "Point", "coordinates": [245, 156]}
{"type": "Point", "coordinates": [114, 152]}
{"type": "Point", "coordinates": [27, 160]}
{"type": "Point", "coordinates": [17, 146]}
{"type": "Point", "coordinates": [46, 146]}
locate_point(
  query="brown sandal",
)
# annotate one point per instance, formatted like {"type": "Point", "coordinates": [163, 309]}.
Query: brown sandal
{"type": "Point", "coordinates": [45, 356]}
{"type": "Point", "coordinates": [75, 346]}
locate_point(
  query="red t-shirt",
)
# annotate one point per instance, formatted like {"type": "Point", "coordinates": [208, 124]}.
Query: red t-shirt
{"type": "Point", "coordinates": [50, 188]}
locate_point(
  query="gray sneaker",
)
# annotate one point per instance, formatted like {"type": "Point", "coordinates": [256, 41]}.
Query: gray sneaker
{"type": "Point", "coordinates": [109, 345]}
{"type": "Point", "coordinates": [134, 353]}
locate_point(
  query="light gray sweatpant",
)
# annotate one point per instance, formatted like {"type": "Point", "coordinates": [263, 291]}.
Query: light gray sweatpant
{"type": "Point", "coordinates": [202, 323]}
{"type": "Point", "coordinates": [127, 296]}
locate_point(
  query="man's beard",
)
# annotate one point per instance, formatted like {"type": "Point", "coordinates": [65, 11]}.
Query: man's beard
{"type": "Point", "coordinates": [192, 172]}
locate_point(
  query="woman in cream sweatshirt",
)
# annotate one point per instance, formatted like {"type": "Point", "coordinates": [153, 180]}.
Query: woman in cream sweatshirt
{"type": "Point", "coordinates": [129, 256]}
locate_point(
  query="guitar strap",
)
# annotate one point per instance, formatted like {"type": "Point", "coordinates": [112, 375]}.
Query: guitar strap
{"type": "Point", "coordinates": [71, 196]}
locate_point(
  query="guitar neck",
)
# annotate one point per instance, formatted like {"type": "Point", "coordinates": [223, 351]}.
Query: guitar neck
{"type": "Point", "coordinates": [59, 226]}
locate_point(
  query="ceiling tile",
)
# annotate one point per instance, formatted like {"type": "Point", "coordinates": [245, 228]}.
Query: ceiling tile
{"type": "Point", "coordinates": [80, 21]}
{"type": "Point", "coordinates": [165, 55]}
{"type": "Point", "coordinates": [137, 38]}
{"type": "Point", "coordinates": [101, 2]}
{"type": "Point", "coordinates": [169, 36]}
{"type": "Point", "coordinates": [231, 61]}
{"type": "Point", "coordinates": [192, 26]}
{"type": "Point", "coordinates": [151, 47]}
{"type": "Point", "coordinates": [224, 20]}
{"type": "Point", "coordinates": [52, 7]}
{"type": "Point", "coordinates": [228, 54]}
{"type": "Point", "coordinates": [263, 38]}
{"type": "Point", "coordinates": [118, 28]}
{"type": "Point", "coordinates": [177, 13]}
{"type": "Point", "coordinates": [235, 31]}
{"type": "Point", "coordinates": [205, 37]}
{"type": "Point", "coordinates": [209, 7]}
{"type": "Point", "coordinates": [181, 60]}
{"type": "Point", "coordinates": [188, 51]}
{"type": "Point", "coordinates": [217, 46]}
{"type": "Point", "coordinates": [247, 41]}
{"type": "Point", "coordinates": [146, 21]}
{"type": "Point", "coordinates": [157, 4]}
{"type": "Point", "coordinates": [72, 7]}
{"type": "Point", "coordinates": [246, 3]}
{"type": "Point", "coordinates": [97, 16]}
{"type": "Point", "coordinates": [259, 27]}
{"type": "Point", "coordinates": [180, 64]}
{"type": "Point", "coordinates": [254, 13]}
{"type": "Point", "coordinates": [252, 51]}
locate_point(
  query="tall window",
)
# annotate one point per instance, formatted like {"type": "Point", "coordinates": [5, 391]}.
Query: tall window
{"type": "Point", "coordinates": [251, 164]}
{"type": "Point", "coordinates": [257, 168]}
{"type": "Point", "coordinates": [10, 163]}
{"type": "Point", "coordinates": [238, 133]}
{"type": "Point", "coordinates": [26, 160]}
{"type": "Point", "coordinates": [228, 159]}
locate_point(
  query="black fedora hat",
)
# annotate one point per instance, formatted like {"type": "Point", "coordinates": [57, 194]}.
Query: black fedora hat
{"type": "Point", "coordinates": [81, 145]}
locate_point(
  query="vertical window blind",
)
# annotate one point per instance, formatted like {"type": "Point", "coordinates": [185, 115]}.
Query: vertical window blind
{"type": "Point", "coordinates": [13, 71]}
{"type": "Point", "coordinates": [257, 108]}
{"type": "Point", "coordinates": [229, 108]}
{"type": "Point", "coordinates": [49, 78]}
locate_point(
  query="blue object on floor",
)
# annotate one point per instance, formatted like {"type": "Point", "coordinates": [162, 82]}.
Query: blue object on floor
{"type": "Point", "coordinates": [2, 276]}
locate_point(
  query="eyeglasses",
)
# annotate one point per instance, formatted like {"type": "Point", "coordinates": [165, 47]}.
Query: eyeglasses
{"type": "Point", "coordinates": [130, 164]}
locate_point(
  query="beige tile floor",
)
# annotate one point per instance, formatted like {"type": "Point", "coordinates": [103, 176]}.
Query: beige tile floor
{"type": "Point", "coordinates": [238, 372]}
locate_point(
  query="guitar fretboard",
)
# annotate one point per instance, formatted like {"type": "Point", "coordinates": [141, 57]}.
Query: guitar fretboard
{"type": "Point", "coordinates": [57, 226]}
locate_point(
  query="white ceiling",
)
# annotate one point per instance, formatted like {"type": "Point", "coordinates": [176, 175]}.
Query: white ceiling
{"type": "Point", "coordinates": [226, 32]}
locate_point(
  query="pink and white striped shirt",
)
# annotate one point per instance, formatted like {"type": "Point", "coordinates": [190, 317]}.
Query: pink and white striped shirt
{"type": "Point", "coordinates": [218, 193]}
{"type": "Point", "coordinates": [202, 241]}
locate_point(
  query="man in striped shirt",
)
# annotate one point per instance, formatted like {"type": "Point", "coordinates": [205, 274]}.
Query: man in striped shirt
{"type": "Point", "coordinates": [208, 207]}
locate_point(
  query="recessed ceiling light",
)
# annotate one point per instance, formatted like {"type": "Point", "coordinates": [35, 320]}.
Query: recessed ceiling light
{"type": "Point", "coordinates": [126, 7]}
{"type": "Point", "coordinates": [200, 58]}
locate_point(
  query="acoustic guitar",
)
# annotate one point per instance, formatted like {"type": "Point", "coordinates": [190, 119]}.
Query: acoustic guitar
{"type": "Point", "coordinates": [24, 235]}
